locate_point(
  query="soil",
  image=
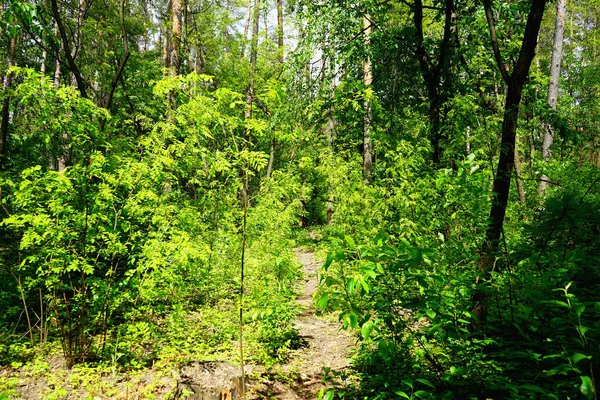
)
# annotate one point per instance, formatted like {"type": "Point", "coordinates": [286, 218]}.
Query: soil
{"type": "Point", "coordinates": [324, 346]}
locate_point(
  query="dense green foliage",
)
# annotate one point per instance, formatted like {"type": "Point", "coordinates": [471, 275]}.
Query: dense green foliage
{"type": "Point", "coordinates": [155, 179]}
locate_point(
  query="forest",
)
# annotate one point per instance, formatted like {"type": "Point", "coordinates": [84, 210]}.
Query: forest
{"type": "Point", "coordinates": [222, 185]}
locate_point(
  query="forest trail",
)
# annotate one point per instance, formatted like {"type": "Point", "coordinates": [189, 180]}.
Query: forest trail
{"type": "Point", "coordinates": [322, 345]}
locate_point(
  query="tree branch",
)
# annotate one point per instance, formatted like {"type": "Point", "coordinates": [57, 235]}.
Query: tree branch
{"type": "Point", "coordinates": [529, 44]}
{"type": "Point", "coordinates": [487, 5]}
{"type": "Point", "coordinates": [121, 67]}
{"type": "Point", "coordinates": [72, 66]}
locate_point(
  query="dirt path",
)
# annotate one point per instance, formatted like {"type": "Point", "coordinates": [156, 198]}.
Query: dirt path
{"type": "Point", "coordinates": [324, 345]}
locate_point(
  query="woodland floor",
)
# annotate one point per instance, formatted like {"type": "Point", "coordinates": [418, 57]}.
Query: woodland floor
{"type": "Point", "coordinates": [323, 345]}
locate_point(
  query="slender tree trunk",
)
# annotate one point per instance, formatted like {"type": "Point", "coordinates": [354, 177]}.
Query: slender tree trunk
{"type": "Point", "coordinates": [253, 55]}
{"type": "Point", "coordinates": [559, 34]}
{"type": "Point", "coordinates": [271, 158]}
{"type": "Point", "coordinates": [226, 35]}
{"type": "Point", "coordinates": [330, 132]}
{"type": "Point", "coordinates": [250, 91]}
{"type": "Point", "coordinates": [176, 37]}
{"type": "Point", "coordinates": [280, 30]}
{"type": "Point", "coordinates": [247, 26]}
{"type": "Point", "coordinates": [69, 53]}
{"type": "Point", "coordinates": [186, 43]}
{"type": "Point", "coordinates": [432, 72]}
{"type": "Point", "coordinates": [44, 61]}
{"type": "Point", "coordinates": [53, 161]}
{"type": "Point", "coordinates": [5, 114]}
{"type": "Point", "coordinates": [281, 60]}
{"type": "Point", "coordinates": [368, 118]}
{"type": "Point", "coordinates": [468, 140]}
{"type": "Point", "coordinates": [166, 39]}
{"type": "Point", "coordinates": [506, 162]}
{"type": "Point", "coordinates": [77, 35]}
{"type": "Point", "coordinates": [121, 67]}
{"type": "Point", "coordinates": [520, 189]}
{"type": "Point", "coordinates": [166, 47]}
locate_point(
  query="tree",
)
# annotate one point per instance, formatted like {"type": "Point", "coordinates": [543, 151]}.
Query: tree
{"type": "Point", "coordinates": [437, 75]}
{"type": "Point", "coordinates": [514, 78]}
{"type": "Point", "coordinates": [368, 118]}
{"type": "Point", "coordinates": [5, 113]}
{"type": "Point", "coordinates": [557, 50]}
{"type": "Point", "coordinates": [175, 58]}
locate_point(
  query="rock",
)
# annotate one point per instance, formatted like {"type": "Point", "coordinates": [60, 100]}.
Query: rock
{"type": "Point", "coordinates": [209, 381]}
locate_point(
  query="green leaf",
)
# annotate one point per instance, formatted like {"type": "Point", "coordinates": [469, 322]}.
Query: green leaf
{"type": "Point", "coordinates": [587, 387]}
{"type": "Point", "coordinates": [328, 261]}
{"type": "Point", "coordinates": [434, 328]}
{"type": "Point", "coordinates": [323, 300]}
{"type": "Point", "coordinates": [402, 394]}
{"type": "Point", "coordinates": [425, 382]}
{"type": "Point", "coordinates": [431, 314]}
{"type": "Point", "coordinates": [578, 357]}
{"type": "Point", "coordinates": [364, 284]}
{"type": "Point", "coordinates": [353, 320]}
{"type": "Point", "coordinates": [366, 330]}
{"type": "Point", "coordinates": [350, 241]}
{"type": "Point", "coordinates": [582, 329]}
{"type": "Point", "coordinates": [557, 303]}
{"type": "Point", "coordinates": [329, 395]}
{"type": "Point", "coordinates": [350, 285]}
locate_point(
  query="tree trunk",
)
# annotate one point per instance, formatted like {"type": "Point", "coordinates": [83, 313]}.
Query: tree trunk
{"type": "Point", "coordinates": [281, 60]}
{"type": "Point", "coordinates": [330, 132]}
{"type": "Point", "coordinates": [53, 161]}
{"type": "Point", "coordinates": [247, 26]}
{"type": "Point", "coordinates": [77, 35]}
{"type": "Point", "coordinates": [121, 68]}
{"type": "Point", "coordinates": [368, 118]}
{"type": "Point", "coordinates": [280, 30]}
{"type": "Point", "coordinates": [69, 53]}
{"type": "Point", "coordinates": [520, 189]}
{"type": "Point", "coordinates": [177, 11]}
{"type": "Point", "coordinates": [432, 73]}
{"type": "Point", "coordinates": [271, 158]}
{"type": "Point", "coordinates": [253, 55]}
{"type": "Point", "coordinates": [559, 33]}
{"type": "Point", "coordinates": [5, 114]}
{"type": "Point", "coordinates": [506, 162]}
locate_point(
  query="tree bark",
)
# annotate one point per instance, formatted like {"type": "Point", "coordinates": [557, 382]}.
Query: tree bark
{"type": "Point", "coordinates": [247, 26]}
{"type": "Point", "coordinates": [253, 56]}
{"type": "Point", "coordinates": [520, 189]}
{"type": "Point", "coordinates": [122, 63]}
{"type": "Point", "coordinates": [368, 118]}
{"type": "Point", "coordinates": [506, 162]}
{"type": "Point", "coordinates": [69, 53]}
{"type": "Point", "coordinates": [175, 59]}
{"type": "Point", "coordinates": [271, 158]}
{"type": "Point", "coordinates": [77, 35]}
{"type": "Point", "coordinates": [432, 73]}
{"type": "Point", "coordinates": [559, 34]}
{"type": "Point", "coordinates": [280, 30]}
{"type": "Point", "coordinates": [5, 114]}
{"type": "Point", "coordinates": [281, 61]}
